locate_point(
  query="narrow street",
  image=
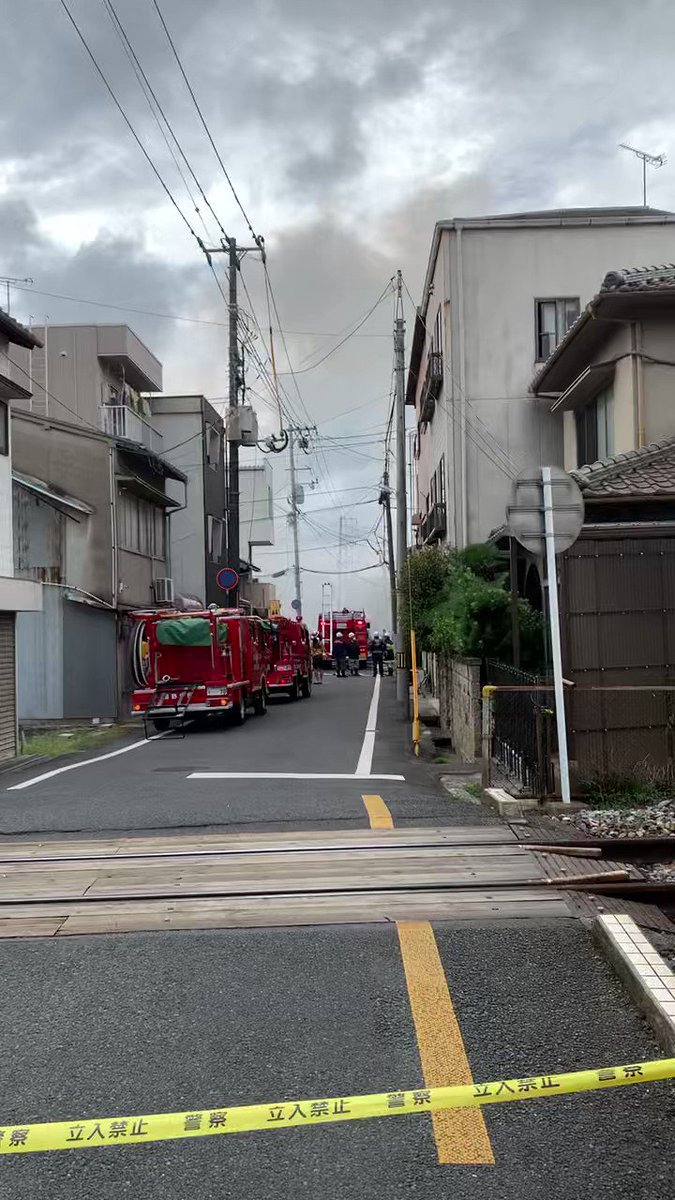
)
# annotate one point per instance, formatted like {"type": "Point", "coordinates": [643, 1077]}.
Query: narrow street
{"type": "Point", "coordinates": [194, 1019]}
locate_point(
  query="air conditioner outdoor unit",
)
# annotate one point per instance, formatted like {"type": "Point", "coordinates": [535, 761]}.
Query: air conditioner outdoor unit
{"type": "Point", "coordinates": [163, 589]}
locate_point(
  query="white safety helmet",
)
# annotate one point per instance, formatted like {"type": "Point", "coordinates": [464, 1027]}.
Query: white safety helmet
{"type": "Point", "coordinates": [376, 634]}
{"type": "Point", "coordinates": [353, 636]}
{"type": "Point", "coordinates": [338, 637]}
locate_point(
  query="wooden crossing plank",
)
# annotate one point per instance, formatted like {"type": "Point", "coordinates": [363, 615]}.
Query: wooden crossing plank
{"type": "Point", "coordinates": [136, 916]}
{"type": "Point", "coordinates": [330, 839]}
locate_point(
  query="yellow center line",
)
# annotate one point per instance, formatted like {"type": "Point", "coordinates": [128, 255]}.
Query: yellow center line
{"type": "Point", "coordinates": [378, 813]}
{"type": "Point", "coordinates": [461, 1135]}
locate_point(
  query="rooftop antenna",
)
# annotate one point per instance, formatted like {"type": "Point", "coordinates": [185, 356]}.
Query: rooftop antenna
{"type": "Point", "coordinates": [8, 280]}
{"type": "Point", "coordinates": [654, 160]}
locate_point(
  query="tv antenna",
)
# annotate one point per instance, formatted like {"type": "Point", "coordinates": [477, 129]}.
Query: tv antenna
{"type": "Point", "coordinates": [654, 160]}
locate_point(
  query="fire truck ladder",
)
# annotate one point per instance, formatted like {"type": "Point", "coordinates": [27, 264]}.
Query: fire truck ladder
{"type": "Point", "coordinates": [155, 709]}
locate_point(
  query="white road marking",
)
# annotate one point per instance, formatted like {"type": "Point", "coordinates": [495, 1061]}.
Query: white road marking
{"type": "Point", "coordinates": [366, 756]}
{"type": "Point", "coordinates": [17, 787]}
{"type": "Point", "coordinates": [280, 775]}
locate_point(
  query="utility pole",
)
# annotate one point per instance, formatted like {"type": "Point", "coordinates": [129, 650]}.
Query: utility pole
{"type": "Point", "coordinates": [233, 552]}
{"type": "Point", "coordinates": [401, 509]}
{"type": "Point", "coordinates": [294, 524]}
{"type": "Point", "coordinates": [235, 254]}
{"type": "Point", "coordinates": [385, 501]}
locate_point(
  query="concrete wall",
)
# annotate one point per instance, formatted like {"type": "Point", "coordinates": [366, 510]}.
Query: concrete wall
{"type": "Point", "coordinates": [657, 336]}
{"type": "Point", "coordinates": [77, 463]}
{"type": "Point", "coordinates": [71, 381]}
{"type": "Point", "coordinates": [458, 682]}
{"type": "Point", "coordinates": [39, 537]}
{"type": "Point", "coordinates": [504, 271]}
{"type": "Point", "coordinates": [39, 659]}
{"type": "Point", "coordinates": [89, 654]}
{"type": "Point", "coordinates": [256, 512]}
{"type": "Point", "coordinates": [194, 428]}
{"type": "Point", "coordinates": [187, 526]}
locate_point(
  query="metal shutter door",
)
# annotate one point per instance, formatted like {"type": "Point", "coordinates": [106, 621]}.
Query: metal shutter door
{"type": "Point", "coordinates": [7, 687]}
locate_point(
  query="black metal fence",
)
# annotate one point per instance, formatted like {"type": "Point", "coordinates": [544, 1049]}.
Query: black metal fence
{"type": "Point", "coordinates": [523, 727]}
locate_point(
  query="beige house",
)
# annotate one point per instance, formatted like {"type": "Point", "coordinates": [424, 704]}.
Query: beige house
{"type": "Point", "coordinates": [500, 294]}
{"type": "Point", "coordinates": [612, 377]}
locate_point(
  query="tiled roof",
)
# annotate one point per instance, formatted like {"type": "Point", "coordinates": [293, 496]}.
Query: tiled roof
{"type": "Point", "coordinates": [17, 333]}
{"type": "Point", "coordinates": [640, 279]}
{"type": "Point", "coordinates": [649, 471]}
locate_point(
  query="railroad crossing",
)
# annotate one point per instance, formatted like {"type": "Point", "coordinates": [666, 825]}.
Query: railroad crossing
{"type": "Point", "coordinates": [255, 914]}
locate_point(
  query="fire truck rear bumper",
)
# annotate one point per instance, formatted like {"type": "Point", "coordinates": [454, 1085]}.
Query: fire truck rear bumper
{"type": "Point", "coordinates": [169, 710]}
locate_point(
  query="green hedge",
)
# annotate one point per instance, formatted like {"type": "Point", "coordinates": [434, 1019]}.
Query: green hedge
{"type": "Point", "coordinates": [461, 605]}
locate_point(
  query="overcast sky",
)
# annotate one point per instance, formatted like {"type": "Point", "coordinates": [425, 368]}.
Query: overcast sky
{"type": "Point", "coordinates": [348, 129]}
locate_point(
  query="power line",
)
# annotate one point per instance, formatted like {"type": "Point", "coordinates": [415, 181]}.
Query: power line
{"type": "Point", "coordinates": [149, 312]}
{"type": "Point", "coordinates": [140, 73]}
{"type": "Point", "coordinates": [488, 436]}
{"type": "Point", "coordinates": [203, 120]}
{"type": "Point", "coordinates": [304, 370]}
{"type": "Point", "coordinates": [128, 123]}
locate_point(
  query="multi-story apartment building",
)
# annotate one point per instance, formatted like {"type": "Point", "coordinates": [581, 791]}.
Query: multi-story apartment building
{"type": "Point", "coordinates": [16, 595]}
{"type": "Point", "coordinates": [84, 441]}
{"type": "Point", "coordinates": [192, 438]}
{"type": "Point", "coordinates": [500, 294]}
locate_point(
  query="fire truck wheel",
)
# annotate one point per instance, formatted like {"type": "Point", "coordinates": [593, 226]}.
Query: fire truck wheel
{"type": "Point", "coordinates": [260, 702]}
{"type": "Point", "coordinates": [294, 691]}
{"type": "Point", "coordinates": [161, 724]}
{"type": "Point", "coordinates": [239, 710]}
{"type": "Point", "coordinates": [306, 686]}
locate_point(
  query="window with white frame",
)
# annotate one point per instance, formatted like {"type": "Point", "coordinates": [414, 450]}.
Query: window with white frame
{"type": "Point", "coordinates": [212, 446]}
{"type": "Point", "coordinates": [215, 536]}
{"type": "Point", "coordinates": [595, 429]}
{"type": "Point", "coordinates": [553, 318]}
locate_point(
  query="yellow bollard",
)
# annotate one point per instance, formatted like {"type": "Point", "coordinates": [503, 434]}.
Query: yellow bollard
{"type": "Point", "coordinates": [416, 699]}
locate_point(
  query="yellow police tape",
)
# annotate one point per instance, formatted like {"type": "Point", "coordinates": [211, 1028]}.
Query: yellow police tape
{"type": "Point", "coordinates": [286, 1114]}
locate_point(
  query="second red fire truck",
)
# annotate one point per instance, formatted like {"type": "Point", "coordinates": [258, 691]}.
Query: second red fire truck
{"type": "Point", "coordinates": [344, 621]}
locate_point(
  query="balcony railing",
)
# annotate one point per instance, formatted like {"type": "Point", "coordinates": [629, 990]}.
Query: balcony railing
{"type": "Point", "coordinates": [433, 382]}
{"type": "Point", "coordinates": [120, 421]}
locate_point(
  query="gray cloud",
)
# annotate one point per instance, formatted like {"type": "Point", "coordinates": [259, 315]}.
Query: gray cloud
{"type": "Point", "coordinates": [349, 130]}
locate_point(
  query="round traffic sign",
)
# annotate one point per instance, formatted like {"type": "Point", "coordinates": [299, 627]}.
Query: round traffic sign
{"type": "Point", "coordinates": [227, 578]}
{"type": "Point", "coordinates": [296, 604]}
{"type": "Point", "coordinates": [525, 512]}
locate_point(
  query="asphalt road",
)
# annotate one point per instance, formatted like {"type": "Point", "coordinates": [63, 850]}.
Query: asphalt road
{"type": "Point", "coordinates": [114, 1024]}
{"type": "Point", "coordinates": [149, 787]}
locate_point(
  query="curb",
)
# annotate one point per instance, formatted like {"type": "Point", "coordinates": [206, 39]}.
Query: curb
{"type": "Point", "coordinates": [22, 762]}
{"type": "Point", "coordinates": [505, 805]}
{"type": "Point", "coordinates": [645, 974]}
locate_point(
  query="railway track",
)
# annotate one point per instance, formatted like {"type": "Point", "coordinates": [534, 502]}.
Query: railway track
{"type": "Point", "coordinates": [128, 884]}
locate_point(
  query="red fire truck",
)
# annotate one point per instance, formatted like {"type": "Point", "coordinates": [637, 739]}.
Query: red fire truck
{"type": "Point", "coordinates": [206, 664]}
{"type": "Point", "coordinates": [290, 666]}
{"type": "Point", "coordinates": [344, 621]}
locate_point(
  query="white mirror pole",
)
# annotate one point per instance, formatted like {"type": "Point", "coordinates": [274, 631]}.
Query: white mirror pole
{"type": "Point", "coordinates": [554, 616]}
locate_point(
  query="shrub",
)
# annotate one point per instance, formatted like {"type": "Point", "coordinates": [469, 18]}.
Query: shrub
{"type": "Point", "coordinates": [461, 605]}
